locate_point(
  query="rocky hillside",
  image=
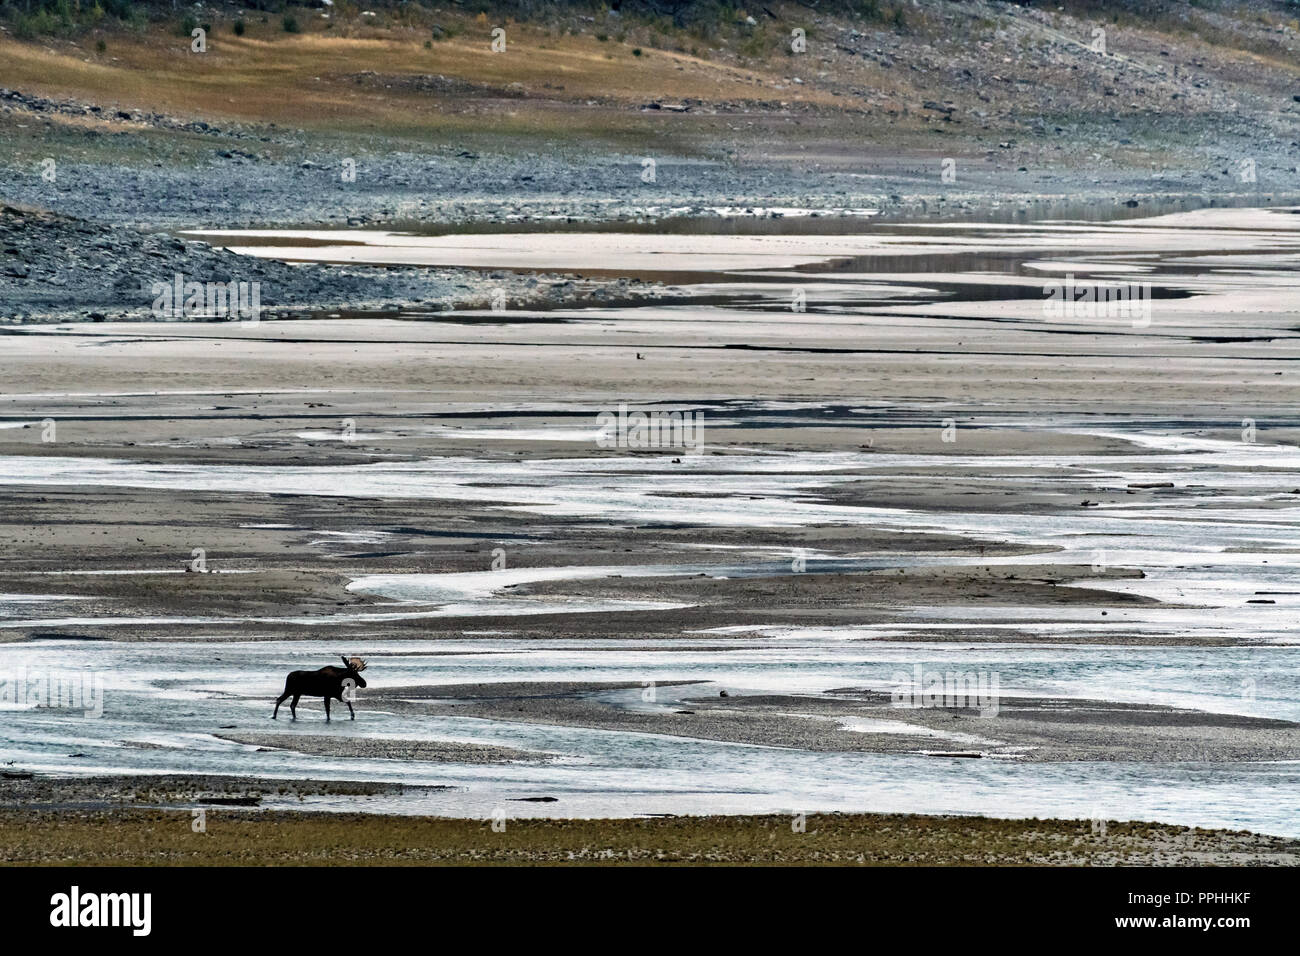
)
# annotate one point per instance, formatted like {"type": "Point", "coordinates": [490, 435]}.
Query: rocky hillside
{"type": "Point", "coordinates": [408, 113]}
{"type": "Point", "coordinates": [56, 268]}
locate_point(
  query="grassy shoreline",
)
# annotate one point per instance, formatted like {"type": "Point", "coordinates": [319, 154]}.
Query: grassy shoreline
{"type": "Point", "coordinates": [151, 837]}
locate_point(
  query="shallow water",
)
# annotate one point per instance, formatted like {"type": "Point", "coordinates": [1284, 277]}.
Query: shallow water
{"type": "Point", "coordinates": [161, 702]}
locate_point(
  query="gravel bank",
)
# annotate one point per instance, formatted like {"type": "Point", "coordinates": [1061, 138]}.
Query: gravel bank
{"type": "Point", "coordinates": [59, 268]}
{"type": "Point", "coordinates": [438, 751]}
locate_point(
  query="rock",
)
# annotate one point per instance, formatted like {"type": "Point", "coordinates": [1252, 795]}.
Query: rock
{"type": "Point", "coordinates": [231, 801]}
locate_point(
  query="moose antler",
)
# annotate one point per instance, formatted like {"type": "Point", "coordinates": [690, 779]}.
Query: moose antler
{"type": "Point", "coordinates": [357, 664]}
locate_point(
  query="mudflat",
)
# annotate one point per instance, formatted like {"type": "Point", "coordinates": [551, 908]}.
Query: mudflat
{"type": "Point", "coordinates": [918, 500]}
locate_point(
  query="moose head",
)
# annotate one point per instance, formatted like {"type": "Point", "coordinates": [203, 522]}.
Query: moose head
{"type": "Point", "coordinates": [354, 665]}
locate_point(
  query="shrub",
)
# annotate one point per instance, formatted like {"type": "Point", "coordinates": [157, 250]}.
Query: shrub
{"type": "Point", "coordinates": [290, 23]}
{"type": "Point", "coordinates": [40, 23]}
{"type": "Point", "coordinates": [33, 18]}
{"type": "Point", "coordinates": [239, 28]}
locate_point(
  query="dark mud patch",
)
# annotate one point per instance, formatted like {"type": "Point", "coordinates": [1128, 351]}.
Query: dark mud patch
{"type": "Point", "coordinates": [434, 751]}
{"type": "Point", "coordinates": [42, 792]}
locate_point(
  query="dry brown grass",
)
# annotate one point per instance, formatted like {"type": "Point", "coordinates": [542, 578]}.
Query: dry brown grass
{"type": "Point", "coordinates": [306, 80]}
{"type": "Point", "coordinates": [152, 837]}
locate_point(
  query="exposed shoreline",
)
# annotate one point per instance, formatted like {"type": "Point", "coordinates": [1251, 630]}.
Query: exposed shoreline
{"type": "Point", "coordinates": [233, 837]}
{"type": "Point", "coordinates": [150, 821]}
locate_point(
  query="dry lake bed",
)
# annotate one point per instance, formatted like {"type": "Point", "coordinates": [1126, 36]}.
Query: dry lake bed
{"type": "Point", "coordinates": [855, 517]}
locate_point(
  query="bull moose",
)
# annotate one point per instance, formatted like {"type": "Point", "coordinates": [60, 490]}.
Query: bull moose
{"type": "Point", "coordinates": [332, 682]}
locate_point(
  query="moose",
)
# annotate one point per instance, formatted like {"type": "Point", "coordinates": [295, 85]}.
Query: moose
{"type": "Point", "coordinates": [332, 682]}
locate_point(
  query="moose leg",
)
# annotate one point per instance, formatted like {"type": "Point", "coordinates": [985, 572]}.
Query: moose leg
{"type": "Point", "coordinates": [282, 698]}
{"type": "Point", "coordinates": [293, 706]}
{"type": "Point", "coordinates": [327, 708]}
{"type": "Point", "coordinates": [350, 710]}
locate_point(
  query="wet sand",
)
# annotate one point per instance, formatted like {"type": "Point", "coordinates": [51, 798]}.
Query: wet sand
{"type": "Point", "coordinates": [862, 720]}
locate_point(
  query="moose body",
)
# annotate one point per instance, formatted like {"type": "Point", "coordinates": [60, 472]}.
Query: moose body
{"type": "Point", "coordinates": [329, 683]}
